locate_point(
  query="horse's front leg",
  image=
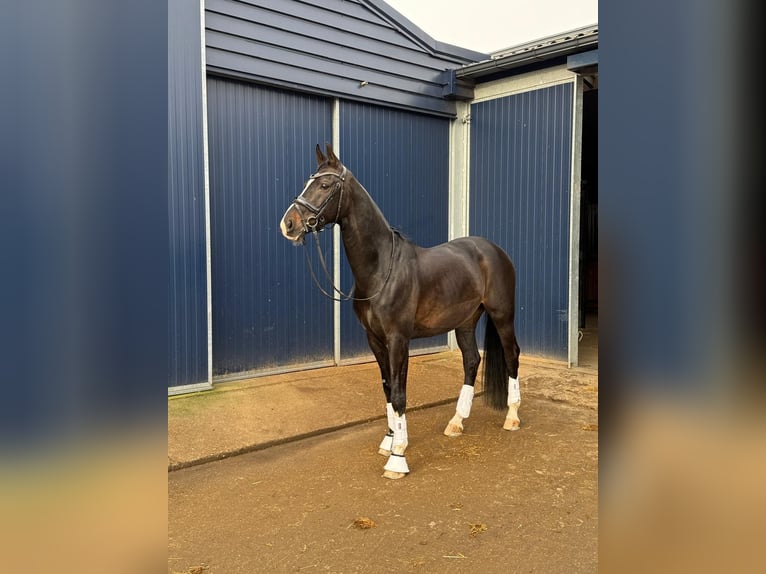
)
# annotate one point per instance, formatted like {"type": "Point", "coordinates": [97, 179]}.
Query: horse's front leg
{"type": "Point", "coordinates": [381, 356]}
{"type": "Point", "coordinates": [398, 355]}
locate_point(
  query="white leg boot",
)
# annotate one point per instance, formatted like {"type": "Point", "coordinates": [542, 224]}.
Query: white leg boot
{"type": "Point", "coordinates": [388, 441]}
{"type": "Point", "coordinates": [396, 467]}
{"type": "Point", "coordinates": [512, 422]}
{"type": "Point", "coordinates": [462, 412]}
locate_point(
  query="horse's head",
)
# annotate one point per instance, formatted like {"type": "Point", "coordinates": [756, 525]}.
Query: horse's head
{"type": "Point", "coordinates": [321, 200]}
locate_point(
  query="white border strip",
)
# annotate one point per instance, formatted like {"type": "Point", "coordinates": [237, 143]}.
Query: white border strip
{"type": "Point", "coordinates": [186, 389]}
{"type": "Point", "coordinates": [256, 373]}
{"type": "Point", "coordinates": [208, 247]}
{"type": "Point", "coordinates": [370, 358]}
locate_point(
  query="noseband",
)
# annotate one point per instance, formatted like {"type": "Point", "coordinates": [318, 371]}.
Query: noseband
{"type": "Point", "coordinates": [317, 217]}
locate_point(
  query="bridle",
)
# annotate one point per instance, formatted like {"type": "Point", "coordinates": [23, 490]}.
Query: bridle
{"type": "Point", "coordinates": [316, 218]}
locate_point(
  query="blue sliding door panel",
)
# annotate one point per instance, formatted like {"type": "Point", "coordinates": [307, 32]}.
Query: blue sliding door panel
{"type": "Point", "coordinates": [266, 312]}
{"type": "Point", "coordinates": [402, 159]}
{"type": "Point", "coordinates": [520, 189]}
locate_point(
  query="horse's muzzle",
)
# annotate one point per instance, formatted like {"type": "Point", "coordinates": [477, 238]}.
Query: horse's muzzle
{"type": "Point", "coordinates": [291, 225]}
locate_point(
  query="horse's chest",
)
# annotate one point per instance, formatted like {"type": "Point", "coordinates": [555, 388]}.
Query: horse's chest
{"type": "Point", "coordinates": [379, 320]}
{"type": "Point", "coordinates": [367, 316]}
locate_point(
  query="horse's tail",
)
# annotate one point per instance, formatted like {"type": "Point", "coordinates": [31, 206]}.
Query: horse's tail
{"type": "Point", "coordinates": [495, 368]}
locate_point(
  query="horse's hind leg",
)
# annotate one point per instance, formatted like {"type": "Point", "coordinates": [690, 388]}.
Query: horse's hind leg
{"type": "Point", "coordinates": [503, 321]}
{"type": "Point", "coordinates": [466, 340]}
{"type": "Point", "coordinates": [512, 421]}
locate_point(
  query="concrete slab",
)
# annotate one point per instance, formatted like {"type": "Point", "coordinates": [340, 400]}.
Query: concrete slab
{"type": "Point", "coordinates": [257, 413]}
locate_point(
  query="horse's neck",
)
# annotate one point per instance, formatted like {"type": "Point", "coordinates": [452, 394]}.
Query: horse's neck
{"type": "Point", "coordinates": [366, 237]}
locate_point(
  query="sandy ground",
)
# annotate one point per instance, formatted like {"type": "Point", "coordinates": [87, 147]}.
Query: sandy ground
{"type": "Point", "coordinates": [489, 501]}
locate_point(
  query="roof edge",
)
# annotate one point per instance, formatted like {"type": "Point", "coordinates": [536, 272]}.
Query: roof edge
{"type": "Point", "coordinates": [547, 48]}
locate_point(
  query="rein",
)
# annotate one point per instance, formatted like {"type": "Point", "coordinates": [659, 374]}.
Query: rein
{"type": "Point", "coordinates": [350, 295]}
{"type": "Point", "coordinates": [310, 225]}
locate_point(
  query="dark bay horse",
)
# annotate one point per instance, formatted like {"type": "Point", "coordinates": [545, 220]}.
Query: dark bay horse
{"type": "Point", "coordinates": [403, 291]}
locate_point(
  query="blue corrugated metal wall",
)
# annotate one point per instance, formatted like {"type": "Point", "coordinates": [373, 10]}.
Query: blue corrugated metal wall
{"type": "Point", "coordinates": [266, 312]}
{"type": "Point", "coordinates": [187, 296]}
{"type": "Point", "coordinates": [402, 159]}
{"type": "Point", "coordinates": [520, 197]}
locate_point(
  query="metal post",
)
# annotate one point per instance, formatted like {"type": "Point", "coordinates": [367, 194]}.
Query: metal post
{"type": "Point", "coordinates": [574, 227]}
{"type": "Point", "coordinates": [336, 238]}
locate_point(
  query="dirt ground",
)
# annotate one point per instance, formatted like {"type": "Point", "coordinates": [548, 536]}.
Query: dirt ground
{"type": "Point", "coordinates": [489, 501]}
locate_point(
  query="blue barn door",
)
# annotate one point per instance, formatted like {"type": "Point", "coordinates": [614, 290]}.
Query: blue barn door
{"type": "Point", "coordinates": [402, 159]}
{"type": "Point", "coordinates": [519, 197]}
{"type": "Point", "coordinates": [266, 313]}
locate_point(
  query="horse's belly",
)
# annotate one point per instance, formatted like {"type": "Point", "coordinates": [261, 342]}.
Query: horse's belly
{"type": "Point", "coordinates": [450, 293]}
{"type": "Point", "coordinates": [441, 319]}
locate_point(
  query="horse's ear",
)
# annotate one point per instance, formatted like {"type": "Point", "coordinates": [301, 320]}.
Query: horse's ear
{"type": "Point", "coordinates": [332, 159]}
{"type": "Point", "coordinates": [320, 158]}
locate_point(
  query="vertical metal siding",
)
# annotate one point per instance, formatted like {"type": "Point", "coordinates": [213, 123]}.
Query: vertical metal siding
{"type": "Point", "coordinates": [266, 312]}
{"type": "Point", "coordinates": [519, 198]}
{"type": "Point", "coordinates": [402, 159]}
{"type": "Point", "coordinates": [187, 292]}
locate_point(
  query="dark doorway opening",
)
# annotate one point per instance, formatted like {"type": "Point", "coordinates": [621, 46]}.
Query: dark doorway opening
{"type": "Point", "coordinates": [588, 304]}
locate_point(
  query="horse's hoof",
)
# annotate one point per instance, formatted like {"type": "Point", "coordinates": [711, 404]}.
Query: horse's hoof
{"type": "Point", "coordinates": [394, 475]}
{"type": "Point", "coordinates": [511, 425]}
{"type": "Point", "coordinates": [384, 452]}
{"type": "Point", "coordinates": [453, 430]}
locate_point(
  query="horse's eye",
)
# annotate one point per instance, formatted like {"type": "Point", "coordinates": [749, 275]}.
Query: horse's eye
{"type": "Point", "coordinates": [325, 185]}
